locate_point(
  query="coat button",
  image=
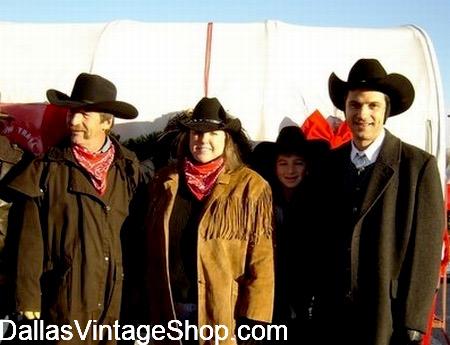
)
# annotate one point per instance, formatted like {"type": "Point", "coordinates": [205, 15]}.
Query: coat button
{"type": "Point", "coordinates": [349, 296]}
{"type": "Point", "coordinates": [355, 209]}
{"type": "Point", "coordinates": [106, 258]}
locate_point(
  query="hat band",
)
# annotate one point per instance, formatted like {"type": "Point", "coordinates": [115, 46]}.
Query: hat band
{"type": "Point", "coordinates": [87, 101]}
{"type": "Point", "coordinates": [215, 122]}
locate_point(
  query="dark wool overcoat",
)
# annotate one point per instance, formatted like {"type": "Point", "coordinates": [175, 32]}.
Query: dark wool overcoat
{"type": "Point", "coordinates": [69, 254]}
{"type": "Point", "coordinates": [380, 264]}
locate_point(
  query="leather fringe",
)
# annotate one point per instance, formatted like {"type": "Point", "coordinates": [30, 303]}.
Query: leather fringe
{"type": "Point", "coordinates": [242, 219]}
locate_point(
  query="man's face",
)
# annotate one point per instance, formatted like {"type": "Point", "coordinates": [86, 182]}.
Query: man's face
{"type": "Point", "coordinates": [87, 129]}
{"type": "Point", "coordinates": [364, 113]}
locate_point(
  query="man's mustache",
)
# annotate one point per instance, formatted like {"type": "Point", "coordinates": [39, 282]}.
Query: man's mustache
{"type": "Point", "coordinates": [77, 129]}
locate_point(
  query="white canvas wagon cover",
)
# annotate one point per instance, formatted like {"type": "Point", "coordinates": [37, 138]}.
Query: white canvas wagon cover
{"type": "Point", "coordinates": [268, 74]}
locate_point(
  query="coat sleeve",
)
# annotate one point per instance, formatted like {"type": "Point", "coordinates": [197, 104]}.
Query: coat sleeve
{"type": "Point", "coordinates": [256, 292]}
{"type": "Point", "coordinates": [30, 247]}
{"type": "Point", "coordinates": [30, 254]}
{"type": "Point", "coordinates": [421, 267]}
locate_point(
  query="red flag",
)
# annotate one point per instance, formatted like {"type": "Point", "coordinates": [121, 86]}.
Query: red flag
{"type": "Point", "coordinates": [33, 126]}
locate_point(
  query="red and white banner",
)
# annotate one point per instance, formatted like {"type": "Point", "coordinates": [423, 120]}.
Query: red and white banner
{"type": "Point", "coordinates": [33, 126]}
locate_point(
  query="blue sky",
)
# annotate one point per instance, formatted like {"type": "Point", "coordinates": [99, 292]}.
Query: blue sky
{"type": "Point", "coordinates": [432, 15]}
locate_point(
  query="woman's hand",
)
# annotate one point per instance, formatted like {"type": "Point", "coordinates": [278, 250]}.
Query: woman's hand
{"type": "Point", "coordinates": [31, 315]}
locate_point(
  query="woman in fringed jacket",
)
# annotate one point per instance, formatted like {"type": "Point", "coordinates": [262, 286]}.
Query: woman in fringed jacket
{"type": "Point", "coordinates": [209, 226]}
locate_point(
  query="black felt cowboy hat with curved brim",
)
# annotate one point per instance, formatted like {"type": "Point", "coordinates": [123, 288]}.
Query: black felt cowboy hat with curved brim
{"type": "Point", "coordinates": [209, 115]}
{"type": "Point", "coordinates": [292, 140]}
{"type": "Point", "coordinates": [369, 74]}
{"type": "Point", "coordinates": [95, 93]}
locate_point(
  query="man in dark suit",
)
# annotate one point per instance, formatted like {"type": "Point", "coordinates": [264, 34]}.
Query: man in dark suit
{"type": "Point", "coordinates": [385, 222]}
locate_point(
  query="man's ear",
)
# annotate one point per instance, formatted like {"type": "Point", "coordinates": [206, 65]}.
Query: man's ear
{"type": "Point", "coordinates": [107, 124]}
{"type": "Point", "coordinates": [387, 111]}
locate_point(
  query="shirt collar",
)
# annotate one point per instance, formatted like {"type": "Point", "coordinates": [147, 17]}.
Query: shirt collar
{"type": "Point", "coordinates": [106, 145]}
{"type": "Point", "coordinates": [372, 151]}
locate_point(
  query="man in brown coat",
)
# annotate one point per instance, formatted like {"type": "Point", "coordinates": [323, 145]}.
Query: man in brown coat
{"type": "Point", "coordinates": [385, 222]}
{"type": "Point", "coordinates": [75, 201]}
{"type": "Point", "coordinates": [10, 156]}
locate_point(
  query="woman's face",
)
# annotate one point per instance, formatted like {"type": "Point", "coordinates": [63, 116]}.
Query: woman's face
{"type": "Point", "coordinates": [206, 146]}
{"type": "Point", "coordinates": [290, 170]}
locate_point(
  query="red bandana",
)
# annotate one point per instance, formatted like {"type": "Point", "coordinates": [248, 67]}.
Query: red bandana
{"type": "Point", "coordinates": [96, 164]}
{"type": "Point", "coordinates": [201, 178]}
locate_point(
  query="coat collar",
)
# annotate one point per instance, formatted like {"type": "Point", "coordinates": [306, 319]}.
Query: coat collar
{"type": "Point", "coordinates": [385, 168]}
{"type": "Point", "coordinates": [9, 153]}
{"type": "Point", "coordinates": [173, 178]}
{"type": "Point", "coordinates": [63, 152]}
{"type": "Point", "coordinates": [123, 160]}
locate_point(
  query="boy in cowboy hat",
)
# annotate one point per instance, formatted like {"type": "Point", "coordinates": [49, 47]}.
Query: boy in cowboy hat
{"type": "Point", "coordinates": [75, 199]}
{"type": "Point", "coordinates": [384, 225]}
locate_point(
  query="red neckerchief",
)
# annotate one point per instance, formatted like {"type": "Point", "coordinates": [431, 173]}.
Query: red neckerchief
{"type": "Point", "coordinates": [96, 164]}
{"type": "Point", "coordinates": [201, 178]}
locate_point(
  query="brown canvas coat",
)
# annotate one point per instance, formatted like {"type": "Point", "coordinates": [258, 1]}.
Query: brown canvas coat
{"type": "Point", "coordinates": [69, 255]}
{"type": "Point", "coordinates": [235, 267]}
{"type": "Point", "coordinates": [12, 160]}
{"type": "Point", "coordinates": [10, 155]}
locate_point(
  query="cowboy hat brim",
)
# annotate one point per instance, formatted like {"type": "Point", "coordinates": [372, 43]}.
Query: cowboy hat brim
{"type": "Point", "coordinates": [119, 109]}
{"type": "Point", "coordinates": [203, 125]}
{"type": "Point", "coordinates": [396, 86]}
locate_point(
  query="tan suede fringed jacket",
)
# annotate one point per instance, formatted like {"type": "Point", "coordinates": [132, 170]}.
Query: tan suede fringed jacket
{"type": "Point", "coordinates": [235, 267]}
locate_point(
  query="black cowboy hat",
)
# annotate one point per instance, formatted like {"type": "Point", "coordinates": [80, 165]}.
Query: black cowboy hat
{"type": "Point", "coordinates": [291, 140]}
{"type": "Point", "coordinates": [93, 92]}
{"type": "Point", "coordinates": [262, 159]}
{"type": "Point", "coordinates": [369, 74]}
{"type": "Point", "coordinates": [209, 115]}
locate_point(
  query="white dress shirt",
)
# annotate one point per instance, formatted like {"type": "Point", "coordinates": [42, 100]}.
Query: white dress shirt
{"type": "Point", "coordinates": [371, 153]}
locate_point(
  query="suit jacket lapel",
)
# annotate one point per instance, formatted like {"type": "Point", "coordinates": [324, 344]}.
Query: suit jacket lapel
{"type": "Point", "coordinates": [385, 167]}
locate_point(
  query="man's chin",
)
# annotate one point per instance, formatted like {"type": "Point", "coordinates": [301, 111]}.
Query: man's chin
{"type": "Point", "coordinates": [291, 184]}
{"type": "Point", "coordinates": [77, 139]}
{"type": "Point", "coordinates": [361, 135]}
{"type": "Point", "coordinates": [77, 135]}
